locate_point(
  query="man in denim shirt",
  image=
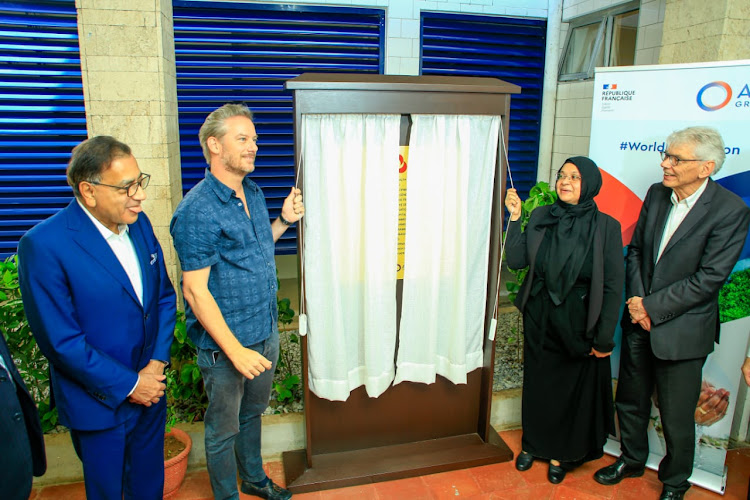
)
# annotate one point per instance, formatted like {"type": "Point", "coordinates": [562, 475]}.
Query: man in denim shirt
{"type": "Point", "coordinates": [225, 244]}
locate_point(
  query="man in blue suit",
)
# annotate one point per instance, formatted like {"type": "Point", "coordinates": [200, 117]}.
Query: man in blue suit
{"type": "Point", "coordinates": [22, 444]}
{"type": "Point", "coordinates": [102, 309]}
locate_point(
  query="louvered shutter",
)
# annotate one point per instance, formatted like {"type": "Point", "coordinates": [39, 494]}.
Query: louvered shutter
{"type": "Point", "coordinates": [511, 49]}
{"type": "Point", "coordinates": [228, 52]}
{"type": "Point", "coordinates": [42, 115]}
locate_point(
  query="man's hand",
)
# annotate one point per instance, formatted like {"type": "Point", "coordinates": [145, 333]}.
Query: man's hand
{"type": "Point", "coordinates": [599, 354]}
{"type": "Point", "coordinates": [638, 313]}
{"type": "Point", "coordinates": [154, 366]}
{"type": "Point", "coordinates": [248, 362]}
{"type": "Point", "coordinates": [150, 389]}
{"type": "Point", "coordinates": [746, 370]}
{"type": "Point", "coordinates": [293, 209]}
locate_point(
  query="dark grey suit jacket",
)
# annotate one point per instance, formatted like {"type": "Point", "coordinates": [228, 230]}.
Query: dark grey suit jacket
{"type": "Point", "coordinates": [22, 443]}
{"type": "Point", "coordinates": [680, 292]}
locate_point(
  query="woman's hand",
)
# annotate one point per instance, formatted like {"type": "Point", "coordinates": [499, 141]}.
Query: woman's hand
{"type": "Point", "coordinates": [513, 203]}
{"type": "Point", "coordinates": [599, 354]}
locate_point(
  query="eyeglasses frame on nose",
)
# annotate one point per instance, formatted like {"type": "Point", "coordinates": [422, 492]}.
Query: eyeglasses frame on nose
{"type": "Point", "coordinates": [675, 160]}
{"type": "Point", "coordinates": [142, 182]}
{"type": "Point", "coordinates": [572, 178]}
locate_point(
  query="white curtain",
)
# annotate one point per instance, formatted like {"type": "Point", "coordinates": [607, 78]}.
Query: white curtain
{"type": "Point", "coordinates": [351, 219]}
{"type": "Point", "coordinates": [449, 195]}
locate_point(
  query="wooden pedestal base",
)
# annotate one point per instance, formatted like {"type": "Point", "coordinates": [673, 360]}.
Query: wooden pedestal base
{"type": "Point", "coordinates": [350, 468]}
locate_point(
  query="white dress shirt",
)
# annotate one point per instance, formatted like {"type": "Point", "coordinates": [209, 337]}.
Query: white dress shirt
{"type": "Point", "coordinates": [677, 214]}
{"type": "Point", "coordinates": [123, 248]}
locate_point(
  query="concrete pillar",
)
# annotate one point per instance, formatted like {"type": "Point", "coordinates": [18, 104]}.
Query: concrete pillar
{"type": "Point", "coordinates": [130, 93]}
{"type": "Point", "coordinates": [698, 31]}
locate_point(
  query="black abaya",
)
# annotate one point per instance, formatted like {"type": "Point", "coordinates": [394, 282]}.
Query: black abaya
{"type": "Point", "coordinates": [567, 407]}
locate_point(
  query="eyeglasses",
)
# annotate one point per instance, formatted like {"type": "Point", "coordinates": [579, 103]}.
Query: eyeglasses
{"type": "Point", "coordinates": [675, 160]}
{"type": "Point", "coordinates": [571, 178]}
{"type": "Point", "coordinates": [132, 188]}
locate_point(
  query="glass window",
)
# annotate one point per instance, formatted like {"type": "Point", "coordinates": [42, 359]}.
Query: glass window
{"type": "Point", "coordinates": [581, 47]}
{"type": "Point", "coordinates": [624, 29]}
{"type": "Point", "coordinates": [602, 39]}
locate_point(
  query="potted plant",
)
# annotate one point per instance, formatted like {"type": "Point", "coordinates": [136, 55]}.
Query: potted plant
{"type": "Point", "coordinates": [177, 446]}
{"type": "Point", "coordinates": [186, 402]}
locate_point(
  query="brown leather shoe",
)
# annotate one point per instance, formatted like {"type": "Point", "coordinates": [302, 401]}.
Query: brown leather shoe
{"type": "Point", "coordinates": [613, 474]}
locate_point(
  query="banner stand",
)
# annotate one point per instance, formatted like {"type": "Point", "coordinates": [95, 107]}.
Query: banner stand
{"type": "Point", "coordinates": [635, 109]}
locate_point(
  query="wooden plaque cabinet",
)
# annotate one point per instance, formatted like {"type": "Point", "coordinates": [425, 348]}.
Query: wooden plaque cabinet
{"type": "Point", "coordinates": [412, 429]}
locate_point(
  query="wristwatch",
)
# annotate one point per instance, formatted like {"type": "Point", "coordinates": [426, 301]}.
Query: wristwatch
{"type": "Point", "coordinates": [284, 221]}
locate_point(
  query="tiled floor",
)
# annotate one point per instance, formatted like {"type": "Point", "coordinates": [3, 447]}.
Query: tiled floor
{"type": "Point", "coordinates": [496, 482]}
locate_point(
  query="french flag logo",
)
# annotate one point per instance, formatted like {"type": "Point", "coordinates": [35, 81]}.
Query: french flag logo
{"type": "Point", "coordinates": [610, 86]}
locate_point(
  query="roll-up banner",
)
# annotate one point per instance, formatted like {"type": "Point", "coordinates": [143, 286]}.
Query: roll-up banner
{"type": "Point", "coordinates": [634, 110]}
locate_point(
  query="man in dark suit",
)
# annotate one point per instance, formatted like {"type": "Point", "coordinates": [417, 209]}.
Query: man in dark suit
{"type": "Point", "coordinates": [687, 240]}
{"type": "Point", "coordinates": [22, 445]}
{"type": "Point", "coordinates": [102, 309]}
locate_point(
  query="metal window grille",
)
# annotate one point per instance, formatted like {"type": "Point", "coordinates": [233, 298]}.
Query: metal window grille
{"type": "Point", "coordinates": [507, 48]}
{"type": "Point", "coordinates": [229, 52]}
{"type": "Point", "coordinates": [42, 114]}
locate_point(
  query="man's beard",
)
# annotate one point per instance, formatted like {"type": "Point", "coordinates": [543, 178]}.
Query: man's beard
{"type": "Point", "coordinates": [233, 167]}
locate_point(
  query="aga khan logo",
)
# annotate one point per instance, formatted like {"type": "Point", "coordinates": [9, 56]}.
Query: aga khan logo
{"type": "Point", "coordinates": [713, 102]}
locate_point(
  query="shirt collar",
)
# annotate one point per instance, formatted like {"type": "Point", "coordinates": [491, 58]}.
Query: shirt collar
{"type": "Point", "coordinates": [690, 200]}
{"type": "Point", "coordinates": [104, 230]}
{"type": "Point", "coordinates": [224, 192]}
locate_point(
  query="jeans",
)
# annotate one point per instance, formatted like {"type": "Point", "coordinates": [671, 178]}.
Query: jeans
{"type": "Point", "coordinates": [233, 418]}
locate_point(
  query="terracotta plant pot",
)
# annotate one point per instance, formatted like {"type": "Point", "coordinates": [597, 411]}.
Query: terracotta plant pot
{"type": "Point", "coordinates": [175, 467]}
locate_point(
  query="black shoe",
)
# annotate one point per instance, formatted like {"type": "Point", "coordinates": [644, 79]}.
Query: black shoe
{"type": "Point", "coordinates": [555, 474]}
{"type": "Point", "coordinates": [613, 474]}
{"type": "Point", "coordinates": [271, 491]}
{"type": "Point", "coordinates": [524, 461]}
{"type": "Point", "coordinates": [671, 495]}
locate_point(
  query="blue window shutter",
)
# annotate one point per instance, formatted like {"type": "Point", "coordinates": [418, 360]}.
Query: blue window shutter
{"type": "Point", "coordinates": [42, 115]}
{"type": "Point", "coordinates": [510, 49]}
{"type": "Point", "coordinates": [229, 52]}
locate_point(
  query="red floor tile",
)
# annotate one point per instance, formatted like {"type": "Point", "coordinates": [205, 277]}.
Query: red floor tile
{"type": "Point", "coordinates": [72, 491]}
{"type": "Point", "coordinates": [537, 474]}
{"type": "Point", "coordinates": [315, 495]}
{"type": "Point", "coordinates": [569, 492]}
{"type": "Point", "coordinates": [642, 488]}
{"type": "Point", "coordinates": [363, 492]}
{"type": "Point", "coordinates": [459, 483]}
{"type": "Point", "coordinates": [196, 486]}
{"type": "Point", "coordinates": [513, 440]}
{"type": "Point", "coordinates": [498, 477]}
{"type": "Point", "coordinates": [413, 488]}
{"type": "Point", "coordinates": [537, 492]}
{"type": "Point", "coordinates": [489, 482]}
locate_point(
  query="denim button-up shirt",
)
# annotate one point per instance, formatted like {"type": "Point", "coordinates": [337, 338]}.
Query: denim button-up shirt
{"type": "Point", "coordinates": [211, 229]}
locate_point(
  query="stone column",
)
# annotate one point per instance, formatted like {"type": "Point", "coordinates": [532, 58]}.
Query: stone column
{"type": "Point", "coordinates": [130, 93]}
{"type": "Point", "coordinates": [699, 30]}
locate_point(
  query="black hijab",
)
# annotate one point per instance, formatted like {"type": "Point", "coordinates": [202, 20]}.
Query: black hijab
{"type": "Point", "coordinates": [573, 228]}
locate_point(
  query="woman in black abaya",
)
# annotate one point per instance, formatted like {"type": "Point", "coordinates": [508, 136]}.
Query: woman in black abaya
{"type": "Point", "coordinates": [570, 302]}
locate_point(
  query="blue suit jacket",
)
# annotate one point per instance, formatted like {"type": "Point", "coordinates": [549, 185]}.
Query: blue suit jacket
{"type": "Point", "coordinates": [86, 316]}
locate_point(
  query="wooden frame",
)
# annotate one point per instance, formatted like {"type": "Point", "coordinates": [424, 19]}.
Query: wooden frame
{"type": "Point", "coordinates": [412, 429]}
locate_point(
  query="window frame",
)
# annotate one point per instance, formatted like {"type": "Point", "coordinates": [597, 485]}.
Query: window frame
{"type": "Point", "coordinates": [603, 41]}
